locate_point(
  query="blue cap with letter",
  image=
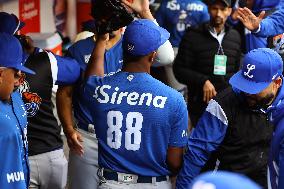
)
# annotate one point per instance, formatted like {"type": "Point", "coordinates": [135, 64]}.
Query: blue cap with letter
{"type": "Point", "coordinates": [10, 23]}
{"type": "Point", "coordinates": [11, 53]}
{"type": "Point", "coordinates": [142, 37]}
{"type": "Point", "coordinates": [223, 180]}
{"type": "Point", "coordinates": [260, 67]}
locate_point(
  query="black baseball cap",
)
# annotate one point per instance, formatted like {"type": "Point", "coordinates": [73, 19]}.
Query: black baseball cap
{"type": "Point", "coordinates": [226, 2]}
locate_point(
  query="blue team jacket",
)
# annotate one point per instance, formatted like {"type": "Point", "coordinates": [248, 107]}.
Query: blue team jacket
{"type": "Point", "coordinates": [14, 166]}
{"type": "Point", "coordinates": [274, 24]}
{"type": "Point", "coordinates": [276, 156]}
{"type": "Point", "coordinates": [253, 41]}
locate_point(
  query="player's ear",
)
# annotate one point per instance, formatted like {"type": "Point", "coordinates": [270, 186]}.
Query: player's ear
{"type": "Point", "coordinates": [278, 82]}
{"type": "Point", "coordinates": [152, 57]}
{"type": "Point", "coordinates": [1, 75]}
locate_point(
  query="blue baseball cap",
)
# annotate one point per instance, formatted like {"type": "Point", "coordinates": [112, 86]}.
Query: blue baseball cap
{"type": "Point", "coordinates": [11, 53]}
{"type": "Point", "coordinates": [10, 23]}
{"type": "Point", "coordinates": [142, 37]}
{"type": "Point", "coordinates": [260, 67]}
{"type": "Point", "coordinates": [223, 180]}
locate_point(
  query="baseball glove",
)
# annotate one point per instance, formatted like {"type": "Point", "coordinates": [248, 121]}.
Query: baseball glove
{"type": "Point", "coordinates": [110, 15]}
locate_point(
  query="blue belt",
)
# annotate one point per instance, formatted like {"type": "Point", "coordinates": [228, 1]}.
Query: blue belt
{"type": "Point", "coordinates": [112, 175]}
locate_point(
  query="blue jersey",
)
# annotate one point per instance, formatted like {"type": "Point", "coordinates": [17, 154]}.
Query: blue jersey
{"type": "Point", "coordinates": [81, 51]}
{"type": "Point", "coordinates": [276, 156]}
{"type": "Point", "coordinates": [177, 15]}
{"type": "Point", "coordinates": [13, 141]}
{"type": "Point", "coordinates": [136, 119]}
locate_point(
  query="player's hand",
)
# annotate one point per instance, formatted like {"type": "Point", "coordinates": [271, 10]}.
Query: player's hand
{"type": "Point", "coordinates": [141, 7]}
{"type": "Point", "coordinates": [27, 44]}
{"type": "Point", "coordinates": [249, 20]}
{"type": "Point", "coordinates": [208, 91]}
{"type": "Point", "coordinates": [235, 14]}
{"type": "Point", "coordinates": [74, 140]}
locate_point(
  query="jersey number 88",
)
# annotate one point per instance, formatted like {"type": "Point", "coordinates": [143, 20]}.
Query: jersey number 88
{"type": "Point", "coordinates": [114, 134]}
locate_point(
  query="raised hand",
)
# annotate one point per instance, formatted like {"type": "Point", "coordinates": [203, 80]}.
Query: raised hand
{"type": "Point", "coordinates": [137, 6]}
{"type": "Point", "coordinates": [141, 7]}
{"type": "Point", "coordinates": [249, 20]}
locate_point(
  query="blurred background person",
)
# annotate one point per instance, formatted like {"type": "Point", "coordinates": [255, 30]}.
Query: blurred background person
{"type": "Point", "coordinates": [208, 56]}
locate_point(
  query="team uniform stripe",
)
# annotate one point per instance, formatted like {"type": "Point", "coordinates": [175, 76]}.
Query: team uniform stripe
{"type": "Point", "coordinates": [54, 66]}
{"type": "Point", "coordinates": [215, 109]}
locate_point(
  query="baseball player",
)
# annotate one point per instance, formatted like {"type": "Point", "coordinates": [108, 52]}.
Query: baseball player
{"type": "Point", "coordinates": [48, 165]}
{"type": "Point", "coordinates": [13, 117]}
{"type": "Point", "coordinates": [264, 89]}
{"type": "Point", "coordinates": [46, 156]}
{"type": "Point", "coordinates": [83, 158]}
{"type": "Point", "coordinates": [141, 124]}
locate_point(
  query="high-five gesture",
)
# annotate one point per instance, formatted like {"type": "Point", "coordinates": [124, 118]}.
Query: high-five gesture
{"type": "Point", "coordinates": [141, 7]}
{"type": "Point", "coordinates": [249, 20]}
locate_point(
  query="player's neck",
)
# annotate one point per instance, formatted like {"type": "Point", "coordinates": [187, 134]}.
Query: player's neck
{"type": "Point", "coordinates": [136, 67]}
{"type": "Point", "coordinates": [112, 42]}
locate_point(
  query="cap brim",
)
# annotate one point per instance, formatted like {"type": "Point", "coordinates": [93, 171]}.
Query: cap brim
{"type": "Point", "coordinates": [22, 24]}
{"type": "Point", "coordinates": [245, 85]}
{"type": "Point", "coordinates": [25, 69]}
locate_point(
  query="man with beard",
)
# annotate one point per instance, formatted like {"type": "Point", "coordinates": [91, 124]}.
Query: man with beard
{"type": "Point", "coordinates": [261, 83]}
{"type": "Point", "coordinates": [83, 156]}
{"type": "Point", "coordinates": [208, 56]}
{"type": "Point", "coordinates": [234, 126]}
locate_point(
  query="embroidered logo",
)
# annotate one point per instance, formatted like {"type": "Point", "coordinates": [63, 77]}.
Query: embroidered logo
{"type": "Point", "coordinates": [250, 68]}
{"type": "Point", "coordinates": [32, 100]}
{"type": "Point", "coordinates": [130, 47]}
{"type": "Point", "coordinates": [130, 77]}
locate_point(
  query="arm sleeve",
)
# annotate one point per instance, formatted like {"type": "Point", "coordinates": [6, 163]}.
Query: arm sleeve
{"type": "Point", "coordinates": [272, 25]}
{"type": "Point", "coordinates": [178, 137]}
{"type": "Point", "coordinates": [12, 173]}
{"type": "Point", "coordinates": [184, 63]}
{"type": "Point", "coordinates": [205, 138]}
{"type": "Point", "coordinates": [165, 54]}
{"type": "Point", "coordinates": [65, 70]}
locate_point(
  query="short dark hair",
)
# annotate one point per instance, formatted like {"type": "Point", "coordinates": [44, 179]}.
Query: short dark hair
{"type": "Point", "coordinates": [130, 58]}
